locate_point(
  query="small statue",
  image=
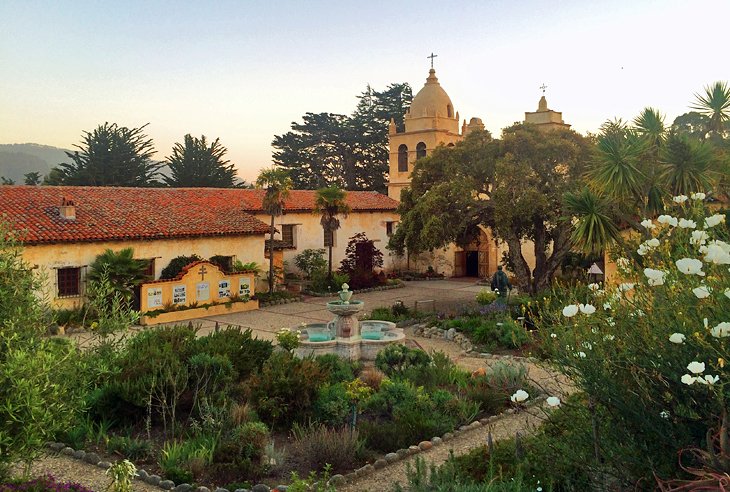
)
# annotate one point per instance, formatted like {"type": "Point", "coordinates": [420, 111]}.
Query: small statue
{"type": "Point", "coordinates": [345, 294]}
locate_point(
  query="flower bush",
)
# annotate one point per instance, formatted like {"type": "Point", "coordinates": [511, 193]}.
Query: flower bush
{"type": "Point", "coordinates": [652, 352]}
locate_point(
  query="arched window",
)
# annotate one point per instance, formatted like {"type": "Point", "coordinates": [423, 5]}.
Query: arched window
{"type": "Point", "coordinates": [420, 150]}
{"type": "Point", "coordinates": [449, 111]}
{"type": "Point", "coordinates": [403, 158]}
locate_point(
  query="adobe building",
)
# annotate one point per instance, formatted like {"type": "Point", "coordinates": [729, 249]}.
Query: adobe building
{"type": "Point", "coordinates": [545, 119]}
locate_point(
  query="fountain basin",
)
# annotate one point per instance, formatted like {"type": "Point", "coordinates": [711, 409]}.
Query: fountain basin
{"type": "Point", "coordinates": [375, 336]}
{"type": "Point", "coordinates": [345, 308]}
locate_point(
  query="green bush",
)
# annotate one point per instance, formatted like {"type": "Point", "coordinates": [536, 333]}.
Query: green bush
{"type": "Point", "coordinates": [246, 353]}
{"type": "Point", "coordinates": [129, 447]}
{"type": "Point", "coordinates": [492, 390]}
{"type": "Point", "coordinates": [441, 372]}
{"type": "Point", "coordinates": [396, 358]}
{"type": "Point", "coordinates": [494, 332]}
{"type": "Point", "coordinates": [177, 264]}
{"type": "Point", "coordinates": [338, 369]}
{"type": "Point", "coordinates": [332, 406]}
{"type": "Point", "coordinates": [317, 446]}
{"type": "Point", "coordinates": [245, 443]}
{"type": "Point", "coordinates": [310, 261]}
{"type": "Point", "coordinates": [285, 388]}
{"type": "Point", "coordinates": [184, 459]}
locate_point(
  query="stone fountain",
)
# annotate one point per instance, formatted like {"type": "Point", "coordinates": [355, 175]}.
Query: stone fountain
{"type": "Point", "coordinates": [347, 336]}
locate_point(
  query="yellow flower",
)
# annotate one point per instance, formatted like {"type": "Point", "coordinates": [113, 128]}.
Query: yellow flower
{"type": "Point", "coordinates": [721, 362]}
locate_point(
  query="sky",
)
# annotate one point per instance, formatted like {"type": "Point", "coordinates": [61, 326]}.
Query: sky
{"type": "Point", "coordinates": [243, 71]}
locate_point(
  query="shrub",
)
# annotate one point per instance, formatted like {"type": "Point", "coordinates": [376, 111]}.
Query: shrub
{"type": "Point", "coordinates": [180, 459]}
{"type": "Point", "coordinates": [337, 369]}
{"type": "Point", "coordinates": [440, 372]}
{"type": "Point", "coordinates": [122, 272]}
{"type": "Point", "coordinates": [395, 358]}
{"type": "Point", "coordinates": [285, 388]}
{"type": "Point", "coordinates": [310, 261]}
{"type": "Point", "coordinates": [245, 443]}
{"type": "Point", "coordinates": [177, 264]}
{"type": "Point", "coordinates": [486, 296]}
{"type": "Point", "coordinates": [361, 258]}
{"type": "Point", "coordinates": [129, 447]}
{"type": "Point", "coordinates": [492, 390]}
{"type": "Point", "coordinates": [332, 406]}
{"type": "Point", "coordinates": [317, 446]}
{"type": "Point", "coordinates": [246, 353]}
{"type": "Point", "coordinates": [372, 377]}
{"type": "Point", "coordinates": [630, 347]}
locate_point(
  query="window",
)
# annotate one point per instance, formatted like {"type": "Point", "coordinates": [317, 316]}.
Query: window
{"type": "Point", "coordinates": [69, 282]}
{"type": "Point", "coordinates": [225, 263]}
{"type": "Point", "coordinates": [420, 150]}
{"type": "Point", "coordinates": [329, 238]}
{"type": "Point", "coordinates": [403, 158]}
{"type": "Point", "coordinates": [389, 228]}
{"type": "Point", "coordinates": [449, 111]}
{"type": "Point", "coordinates": [287, 234]}
{"type": "Point", "coordinates": [150, 270]}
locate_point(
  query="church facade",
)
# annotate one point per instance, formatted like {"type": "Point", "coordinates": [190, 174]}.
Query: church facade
{"type": "Point", "coordinates": [432, 121]}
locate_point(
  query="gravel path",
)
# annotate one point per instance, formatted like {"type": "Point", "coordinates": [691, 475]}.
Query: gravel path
{"type": "Point", "coordinates": [65, 468]}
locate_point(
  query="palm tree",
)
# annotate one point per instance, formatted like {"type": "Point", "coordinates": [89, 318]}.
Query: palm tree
{"type": "Point", "coordinates": [595, 225]}
{"type": "Point", "coordinates": [715, 104]}
{"type": "Point", "coordinates": [330, 202]}
{"type": "Point", "coordinates": [120, 269]}
{"type": "Point", "coordinates": [277, 184]}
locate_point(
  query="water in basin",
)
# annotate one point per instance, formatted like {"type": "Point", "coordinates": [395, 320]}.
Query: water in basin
{"type": "Point", "coordinates": [318, 332]}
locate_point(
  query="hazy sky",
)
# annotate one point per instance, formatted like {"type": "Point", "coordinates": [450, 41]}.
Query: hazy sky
{"type": "Point", "coordinates": [244, 70]}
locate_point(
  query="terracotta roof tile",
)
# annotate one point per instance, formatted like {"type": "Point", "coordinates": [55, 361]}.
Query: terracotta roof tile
{"type": "Point", "coordinates": [110, 213]}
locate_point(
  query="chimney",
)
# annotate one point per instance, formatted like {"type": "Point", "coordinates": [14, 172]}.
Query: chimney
{"type": "Point", "coordinates": [67, 210]}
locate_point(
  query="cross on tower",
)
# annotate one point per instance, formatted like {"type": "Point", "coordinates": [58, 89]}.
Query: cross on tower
{"type": "Point", "coordinates": [543, 87]}
{"type": "Point", "coordinates": [432, 57]}
{"type": "Point", "coordinates": [202, 272]}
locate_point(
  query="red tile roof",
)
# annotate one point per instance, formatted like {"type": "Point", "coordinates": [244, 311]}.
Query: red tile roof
{"type": "Point", "coordinates": [110, 213]}
{"type": "Point", "coordinates": [303, 201]}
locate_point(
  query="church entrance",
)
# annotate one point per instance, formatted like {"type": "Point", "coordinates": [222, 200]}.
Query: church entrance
{"type": "Point", "coordinates": [472, 263]}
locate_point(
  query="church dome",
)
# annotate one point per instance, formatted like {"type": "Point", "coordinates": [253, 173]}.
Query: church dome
{"type": "Point", "coordinates": [431, 100]}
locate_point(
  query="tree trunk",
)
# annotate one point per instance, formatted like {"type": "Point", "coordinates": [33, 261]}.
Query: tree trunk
{"type": "Point", "coordinates": [271, 256]}
{"type": "Point", "coordinates": [561, 247]}
{"type": "Point", "coordinates": [540, 245]}
{"type": "Point", "coordinates": [329, 270]}
{"type": "Point", "coordinates": [522, 269]}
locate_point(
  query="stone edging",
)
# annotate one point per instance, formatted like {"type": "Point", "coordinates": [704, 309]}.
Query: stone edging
{"type": "Point", "coordinates": [288, 300]}
{"type": "Point", "coordinates": [463, 342]}
{"type": "Point", "coordinates": [399, 285]}
{"type": "Point", "coordinates": [143, 475]}
{"type": "Point", "coordinates": [392, 458]}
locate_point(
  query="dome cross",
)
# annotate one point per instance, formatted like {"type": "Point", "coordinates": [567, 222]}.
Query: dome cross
{"type": "Point", "coordinates": [432, 56]}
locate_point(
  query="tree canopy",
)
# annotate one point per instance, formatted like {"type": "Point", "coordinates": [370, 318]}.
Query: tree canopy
{"type": "Point", "coordinates": [351, 152]}
{"type": "Point", "coordinates": [110, 155]}
{"type": "Point", "coordinates": [197, 164]}
{"type": "Point", "coordinates": [514, 185]}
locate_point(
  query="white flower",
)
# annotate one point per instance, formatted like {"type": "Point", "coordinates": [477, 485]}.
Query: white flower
{"type": "Point", "coordinates": [667, 219]}
{"type": "Point", "coordinates": [698, 237]}
{"type": "Point", "coordinates": [655, 277]}
{"type": "Point", "coordinates": [587, 345]}
{"type": "Point", "coordinates": [625, 287]}
{"type": "Point", "coordinates": [687, 224]}
{"type": "Point", "coordinates": [608, 337]}
{"type": "Point", "coordinates": [582, 355]}
{"type": "Point", "coordinates": [607, 305]}
{"type": "Point", "coordinates": [690, 266]}
{"type": "Point", "coordinates": [698, 196]}
{"type": "Point", "coordinates": [593, 287]}
{"type": "Point", "coordinates": [647, 246]}
{"type": "Point", "coordinates": [553, 401]}
{"type": "Point", "coordinates": [688, 380]}
{"type": "Point", "coordinates": [610, 322]}
{"type": "Point", "coordinates": [714, 220]}
{"type": "Point", "coordinates": [622, 263]}
{"type": "Point", "coordinates": [648, 224]}
{"type": "Point", "coordinates": [722, 330]}
{"type": "Point", "coordinates": [717, 254]}
{"type": "Point", "coordinates": [702, 292]}
{"type": "Point", "coordinates": [664, 414]}
{"type": "Point", "coordinates": [570, 310]}
{"type": "Point", "coordinates": [587, 308]}
{"type": "Point", "coordinates": [696, 367]}
{"type": "Point", "coordinates": [727, 293]}
{"type": "Point", "coordinates": [679, 199]}
{"type": "Point", "coordinates": [519, 396]}
{"type": "Point", "coordinates": [708, 379]}
{"type": "Point", "coordinates": [553, 335]}
{"type": "Point", "coordinates": [677, 338]}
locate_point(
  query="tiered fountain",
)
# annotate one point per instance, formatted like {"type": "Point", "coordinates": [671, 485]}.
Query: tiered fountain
{"type": "Point", "coordinates": [345, 335]}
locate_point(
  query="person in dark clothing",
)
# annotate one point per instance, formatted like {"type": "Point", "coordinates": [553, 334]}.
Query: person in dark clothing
{"type": "Point", "coordinates": [500, 282]}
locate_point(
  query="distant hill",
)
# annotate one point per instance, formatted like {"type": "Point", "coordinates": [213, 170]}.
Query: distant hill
{"type": "Point", "coordinates": [17, 160]}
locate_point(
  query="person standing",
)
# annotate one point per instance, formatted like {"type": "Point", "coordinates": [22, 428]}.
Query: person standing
{"type": "Point", "coordinates": [500, 282]}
